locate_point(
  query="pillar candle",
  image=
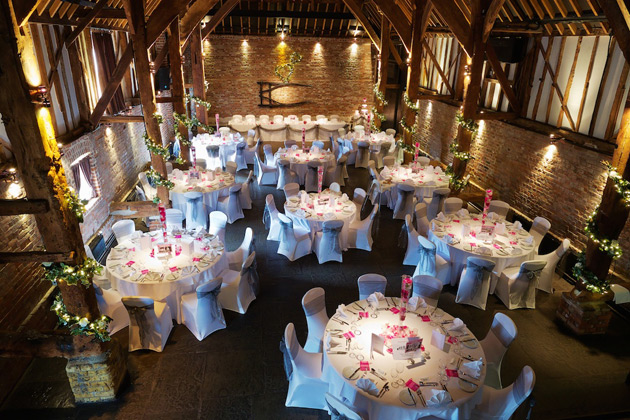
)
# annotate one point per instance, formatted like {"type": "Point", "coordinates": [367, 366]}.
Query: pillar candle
{"type": "Point", "coordinates": [486, 205]}
{"type": "Point", "coordinates": [217, 118]}
{"type": "Point", "coordinates": [405, 293]}
{"type": "Point", "coordinates": [320, 178]}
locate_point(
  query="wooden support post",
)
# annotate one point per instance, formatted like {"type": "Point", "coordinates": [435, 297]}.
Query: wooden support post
{"type": "Point", "coordinates": [384, 60]}
{"type": "Point", "coordinates": [198, 76]}
{"type": "Point", "coordinates": [177, 86]}
{"type": "Point", "coordinates": [134, 10]}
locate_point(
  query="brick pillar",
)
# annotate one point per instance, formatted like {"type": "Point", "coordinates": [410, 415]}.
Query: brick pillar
{"type": "Point", "coordinates": [98, 377]}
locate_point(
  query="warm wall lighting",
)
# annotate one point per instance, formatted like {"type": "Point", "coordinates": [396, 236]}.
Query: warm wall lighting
{"type": "Point", "coordinates": [318, 47]}
{"type": "Point", "coordinates": [551, 151]}
{"type": "Point", "coordinates": [244, 43]}
{"type": "Point", "coordinates": [39, 95]}
{"type": "Point", "coordinates": [9, 175]}
{"type": "Point", "coordinates": [282, 35]}
{"type": "Point", "coordinates": [554, 138]}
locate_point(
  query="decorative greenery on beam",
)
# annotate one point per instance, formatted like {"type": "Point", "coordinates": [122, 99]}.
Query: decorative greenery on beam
{"type": "Point", "coordinates": [609, 246]}
{"type": "Point", "coordinates": [468, 125]}
{"type": "Point", "coordinates": [621, 185]}
{"type": "Point", "coordinates": [190, 98]}
{"type": "Point", "coordinates": [79, 274]}
{"type": "Point", "coordinates": [407, 148]}
{"type": "Point", "coordinates": [81, 326]}
{"type": "Point", "coordinates": [157, 179]}
{"type": "Point", "coordinates": [410, 104]}
{"type": "Point", "coordinates": [462, 156]}
{"type": "Point", "coordinates": [76, 205]}
{"type": "Point", "coordinates": [378, 115]}
{"type": "Point", "coordinates": [592, 282]}
{"type": "Point", "coordinates": [411, 130]}
{"type": "Point", "coordinates": [456, 183]}
{"type": "Point", "coordinates": [380, 96]}
{"type": "Point", "coordinates": [192, 122]}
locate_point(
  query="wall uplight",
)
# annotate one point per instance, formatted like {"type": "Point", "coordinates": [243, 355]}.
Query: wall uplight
{"type": "Point", "coordinates": [554, 138]}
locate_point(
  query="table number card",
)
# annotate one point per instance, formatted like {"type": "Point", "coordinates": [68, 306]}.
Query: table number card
{"type": "Point", "coordinates": [405, 348]}
{"type": "Point", "coordinates": [438, 340]}
{"type": "Point", "coordinates": [378, 343]}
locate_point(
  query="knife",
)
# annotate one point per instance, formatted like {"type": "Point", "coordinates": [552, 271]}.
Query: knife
{"type": "Point", "coordinates": [377, 375]}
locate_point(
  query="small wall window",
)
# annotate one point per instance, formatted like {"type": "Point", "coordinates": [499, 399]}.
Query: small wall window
{"type": "Point", "coordinates": [84, 178]}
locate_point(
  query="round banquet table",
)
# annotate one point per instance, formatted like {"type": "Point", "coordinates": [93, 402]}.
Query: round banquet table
{"type": "Point", "coordinates": [134, 272]}
{"type": "Point", "coordinates": [330, 128]}
{"type": "Point", "coordinates": [424, 181]}
{"type": "Point", "coordinates": [272, 131]}
{"type": "Point", "coordinates": [396, 372]}
{"type": "Point", "coordinates": [311, 216]}
{"type": "Point", "coordinates": [211, 189]}
{"type": "Point", "coordinates": [299, 160]}
{"type": "Point", "coordinates": [375, 140]}
{"type": "Point", "coordinates": [508, 249]}
{"type": "Point", "coordinates": [227, 146]}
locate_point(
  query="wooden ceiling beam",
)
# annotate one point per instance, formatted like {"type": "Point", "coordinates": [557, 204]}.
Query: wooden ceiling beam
{"type": "Point", "coordinates": [619, 22]}
{"type": "Point", "coordinates": [491, 17]}
{"type": "Point", "coordinates": [23, 10]}
{"type": "Point", "coordinates": [161, 17]}
{"type": "Point", "coordinates": [502, 78]}
{"type": "Point", "coordinates": [457, 23]}
{"type": "Point", "coordinates": [85, 22]}
{"type": "Point", "coordinates": [355, 8]}
{"type": "Point", "coordinates": [218, 17]}
{"type": "Point", "coordinates": [397, 18]}
{"type": "Point", "coordinates": [192, 17]}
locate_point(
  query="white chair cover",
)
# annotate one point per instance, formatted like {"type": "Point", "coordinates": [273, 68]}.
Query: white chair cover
{"type": "Point", "coordinates": [424, 161]}
{"type": "Point", "coordinates": [214, 157]}
{"type": "Point", "coordinates": [452, 205]}
{"type": "Point", "coordinates": [294, 242]}
{"type": "Point", "coordinates": [360, 231]}
{"type": "Point", "coordinates": [314, 305]}
{"type": "Point", "coordinates": [195, 210]}
{"type": "Point", "coordinates": [291, 190]}
{"type": "Point", "coordinates": [495, 344]}
{"type": "Point", "coordinates": [370, 283]}
{"type": "Point", "coordinates": [237, 257]}
{"type": "Point", "coordinates": [422, 222]}
{"type": "Point", "coordinates": [123, 228]}
{"type": "Point", "coordinates": [169, 167]}
{"type": "Point", "coordinates": [201, 310]}
{"type": "Point", "coordinates": [267, 175]}
{"type": "Point", "coordinates": [327, 243]}
{"type": "Point", "coordinates": [270, 218]}
{"type": "Point", "coordinates": [174, 219]}
{"type": "Point", "coordinates": [218, 221]}
{"type": "Point", "coordinates": [340, 410]}
{"type": "Point", "coordinates": [150, 191]}
{"type": "Point", "coordinates": [251, 148]}
{"type": "Point", "coordinates": [304, 371]}
{"type": "Point", "coordinates": [335, 187]}
{"type": "Point", "coordinates": [306, 118]}
{"type": "Point", "coordinates": [110, 304]}
{"type": "Point", "coordinates": [289, 143]}
{"type": "Point", "coordinates": [390, 132]}
{"type": "Point", "coordinates": [150, 323]}
{"type": "Point", "coordinates": [499, 207]}
{"type": "Point", "coordinates": [405, 201]}
{"type": "Point", "coordinates": [285, 174]}
{"type": "Point", "coordinates": [436, 202]}
{"type": "Point", "coordinates": [413, 248]}
{"type": "Point", "coordinates": [431, 263]}
{"type": "Point", "coordinates": [553, 258]}
{"type": "Point", "coordinates": [516, 287]}
{"type": "Point", "coordinates": [428, 288]}
{"type": "Point", "coordinates": [501, 404]}
{"type": "Point", "coordinates": [319, 144]}
{"type": "Point", "coordinates": [239, 288]}
{"type": "Point", "coordinates": [363, 154]}
{"type": "Point", "coordinates": [245, 196]}
{"type": "Point", "coordinates": [358, 198]}
{"type": "Point", "coordinates": [311, 180]}
{"type": "Point", "coordinates": [201, 164]}
{"type": "Point", "coordinates": [539, 229]}
{"type": "Point", "coordinates": [241, 159]}
{"type": "Point", "coordinates": [270, 159]}
{"type": "Point", "coordinates": [140, 195]}
{"type": "Point", "coordinates": [230, 167]}
{"type": "Point", "coordinates": [334, 174]}
{"type": "Point", "coordinates": [474, 283]}
{"type": "Point", "coordinates": [231, 204]}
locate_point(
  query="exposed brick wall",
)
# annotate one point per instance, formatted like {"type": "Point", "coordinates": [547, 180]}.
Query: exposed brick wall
{"type": "Point", "coordinates": [340, 74]}
{"type": "Point", "coordinates": [562, 182]}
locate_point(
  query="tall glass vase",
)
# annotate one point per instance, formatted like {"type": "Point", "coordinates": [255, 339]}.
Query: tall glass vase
{"type": "Point", "coordinates": [405, 294]}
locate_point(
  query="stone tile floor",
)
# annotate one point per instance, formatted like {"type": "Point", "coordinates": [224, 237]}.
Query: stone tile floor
{"type": "Point", "coordinates": [237, 373]}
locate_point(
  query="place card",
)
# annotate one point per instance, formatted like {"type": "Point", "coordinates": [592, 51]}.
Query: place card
{"type": "Point", "coordinates": [452, 373]}
{"type": "Point", "coordinates": [145, 271]}
{"type": "Point", "coordinates": [394, 310]}
{"type": "Point", "coordinates": [378, 343]}
{"type": "Point", "coordinates": [412, 385]}
{"type": "Point", "coordinates": [405, 348]}
{"type": "Point", "coordinates": [173, 269]}
{"type": "Point", "coordinates": [438, 340]}
{"type": "Point", "coordinates": [348, 335]}
{"type": "Point", "coordinates": [425, 318]}
{"type": "Point", "coordinates": [130, 263]}
{"type": "Point", "coordinates": [364, 314]}
{"type": "Point", "coordinates": [364, 366]}
{"type": "Point", "coordinates": [452, 340]}
{"type": "Point", "coordinates": [196, 259]}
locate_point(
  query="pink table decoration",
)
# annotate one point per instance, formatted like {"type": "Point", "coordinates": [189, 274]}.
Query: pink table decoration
{"type": "Point", "coordinates": [304, 137]}
{"type": "Point", "coordinates": [486, 206]}
{"type": "Point", "coordinates": [405, 293]}
{"type": "Point", "coordinates": [216, 116]}
{"type": "Point", "coordinates": [320, 178]}
{"type": "Point", "coordinates": [162, 211]}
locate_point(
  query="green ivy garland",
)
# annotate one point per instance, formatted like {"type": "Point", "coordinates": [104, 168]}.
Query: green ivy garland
{"type": "Point", "coordinates": [592, 282]}
{"type": "Point", "coordinates": [82, 273]}
{"type": "Point", "coordinates": [382, 118]}
{"type": "Point", "coordinates": [156, 149]}
{"type": "Point", "coordinates": [410, 104]}
{"type": "Point", "coordinates": [157, 179]}
{"type": "Point", "coordinates": [188, 98]}
{"type": "Point", "coordinates": [182, 140]}
{"type": "Point", "coordinates": [411, 130]}
{"type": "Point", "coordinates": [407, 148]}
{"type": "Point", "coordinates": [609, 246]}
{"type": "Point", "coordinates": [78, 325]}
{"type": "Point", "coordinates": [468, 125]}
{"type": "Point", "coordinates": [380, 96]}
{"type": "Point", "coordinates": [192, 122]}
{"type": "Point", "coordinates": [76, 205]}
{"type": "Point", "coordinates": [158, 117]}
{"type": "Point", "coordinates": [456, 183]}
{"type": "Point", "coordinates": [294, 58]}
{"type": "Point", "coordinates": [621, 185]}
{"type": "Point", "coordinates": [462, 156]}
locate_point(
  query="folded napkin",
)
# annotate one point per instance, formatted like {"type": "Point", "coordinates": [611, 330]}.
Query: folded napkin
{"type": "Point", "coordinates": [441, 217]}
{"type": "Point", "coordinates": [516, 251]}
{"type": "Point", "coordinates": [438, 396]}
{"type": "Point", "coordinates": [450, 239]}
{"type": "Point", "coordinates": [517, 225]}
{"type": "Point", "coordinates": [329, 216]}
{"type": "Point", "coordinates": [331, 342]}
{"type": "Point", "coordinates": [499, 228]}
{"type": "Point", "coordinates": [483, 250]}
{"type": "Point", "coordinates": [344, 198]}
{"type": "Point", "coordinates": [457, 325]}
{"type": "Point", "coordinates": [300, 213]}
{"type": "Point", "coordinates": [294, 147]}
{"type": "Point", "coordinates": [415, 303]}
{"type": "Point", "coordinates": [463, 213]}
{"type": "Point", "coordinates": [341, 311]}
{"type": "Point", "coordinates": [153, 276]}
{"type": "Point", "coordinates": [386, 172]}
{"type": "Point", "coordinates": [374, 298]}
{"type": "Point", "coordinates": [529, 240]}
{"type": "Point", "coordinates": [472, 369]}
{"type": "Point", "coordinates": [492, 215]}
{"type": "Point", "coordinates": [186, 271]}
{"type": "Point", "coordinates": [367, 386]}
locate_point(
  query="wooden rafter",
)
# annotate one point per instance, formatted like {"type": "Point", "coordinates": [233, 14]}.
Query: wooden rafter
{"type": "Point", "coordinates": [437, 66]}
{"type": "Point", "coordinates": [491, 16]}
{"type": "Point", "coordinates": [355, 8]}
{"type": "Point", "coordinates": [218, 17]}
{"type": "Point", "coordinates": [457, 23]}
{"type": "Point", "coordinates": [619, 21]}
{"type": "Point", "coordinates": [85, 22]}
{"type": "Point", "coordinates": [398, 20]}
{"type": "Point", "coordinates": [193, 16]}
{"type": "Point", "coordinates": [502, 78]}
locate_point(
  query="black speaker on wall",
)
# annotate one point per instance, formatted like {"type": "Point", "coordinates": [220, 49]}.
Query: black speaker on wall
{"type": "Point", "coordinates": [510, 50]}
{"type": "Point", "coordinates": [163, 78]}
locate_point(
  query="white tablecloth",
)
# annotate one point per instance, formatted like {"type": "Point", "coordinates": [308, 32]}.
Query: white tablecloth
{"type": "Point", "coordinates": [211, 190]}
{"type": "Point", "coordinates": [130, 280]}
{"type": "Point", "coordinates": [227, 146]}
{"type": "Point", "coordinates": [299, 160]}
{"type": "Point", "coordinates": [389, 406]}
{"type": "Point", "coordinates": [375, 140]}
{"type": "Point", "coordinates": [403, 174]}
{"type": "Point", "coordinates": [458, 253]}
{"type": "Point", "coordinates": [312, 218]}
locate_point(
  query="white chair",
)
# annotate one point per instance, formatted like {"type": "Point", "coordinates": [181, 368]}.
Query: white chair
{"type": "Point", "coordinates": [363, 154]}
{"type": "Point", "coordinates": [237, 257]}
{"type": "Point", "coordinates": [245, 196]}
{"type": "Point", "coordinates": [314, 305]}
{"type": "Point", "coordinates": [431, 263]}
{"type": "Point", "coordinates": [342, 410]}
{"type": "Point", "coordinates": [306, 118]}
{"type": "Point", "coordinates": [501, 334]}
{"type": "Point", "coordinates": [218, 221]}
{"type": "Point", "coordinates": [241, 156]}
{"type": "Point", "coordinates": [428, 288]}
{"type": "Point", "coordinates": [499, 207]}
{"type": "Point", "coordinates": [169, 167]}
{"type": "Point", "coordinates": [335, 174]}
{"type": "Point", "coordinates": [150, 191]}
{"type": "Point", "coordinates": [263, 118]}
{"type": "Point", "coordinates": [452, 205]}
{"type": "Point", "coordinates": [319, 144]}
{"type": "Point", "coordinates": [294, 242]}
{"type": "Point", "coordinates": [389, 161]}
{"type": "Point", "coordinates": [370, 283]}
{"type": "Point", "coordinates": [231, 168]}
{"type": "Point", "coordinates": [436, 202]}
{"type": "Point", "coordinates": [335, 187]}
{"type": "Point", "coordinates": [335, 117]}
{"type": "Point", "coordinates": [214, 157]}
{"type": "Point", "coordinates": [474, 283]}
{"type": "Point", "coordinates": [286, 175]}
{"type": "Point", "coordinates": [290, 143]}
{"type": "Point", "coordinates": [390, 132]}
{"type": "Point", "coordinates": [327, 243]}
{"type": "Point", "coordinates": [381, 153]}
{"type": "Point", "coordinates": [231, 204]}
{"type": "Point", "coordinates": [271, 220]}
{"type": "Point", "coordinates": [278, 118]}
{"type": "Point", "coordinates": [202, 313]}
{"type": "Point", "coordinates": [267, 175]}
{"type": "Point", "coordinates": [201, 164]}
{"type": "Point", "coordinates": [321, 117]}
{"type": "Point", "coordinates": [539, 229]}
{"type": "Point", "coordinates": [250, 151]}
{"type": "Point", "coordinates": [174, 219]}
{"type": "Point", "coordinates": [424, 161]}
{"type": "Point", "coordinates": [360, 231]}
{"type": "Point", "coordinates": [413, 248]}
{"type": "Point", "coordinates": [516, 286]}
{"type": "Point", "coordinates": [311, 181]}
{"type": "Point", "coordinates": [501, 404]}
{"type": "Point", "coordinates": [291, 190]}
{"type": "Point", "coordinates": [195, 210]}
{"type": "Point", "coordinates": [304, 372]}
{"type": "Point", "coordinates": [270, 159]}
{"type": "Point", "coordinates": [110, 304]}
{"type": "Point", "coordinates": [236, 118]}
{"type": "Point", "coordinates": [422, 222]}
{"type": "Point", "coordinates": [140, 195]}
{"type": "Point", "coordinates": [358, 197]}
{"type": "Point", "coordinates": [405, 201]}
{"type": "Point", "coordinates": [553, 258]}
{"type": "Point", "coordinates": [123, 228]}
{"type": "Point", "coordinates": [150, 323]}
{"type": "Point", "coordinates": [239, 288]}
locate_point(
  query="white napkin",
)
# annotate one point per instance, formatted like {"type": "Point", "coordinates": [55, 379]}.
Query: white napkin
{"type": "Point", "coordinates": [529, 240]}
{"type": "Point", "coordinates": [483, 250]}
{"type": "Point", "coordinates": [341, 311]}
{"type": "Point", "coordinates": [386, 172]}
{"type": "Point", "coordinates": [517, 225]}
{"type": "Point", "coordinates": [463, 213]}
{"type": "Point", "coordinates": [457, 325]}
{"type": "Point", "coordinates": [499, 228]}
{"type": "Point", "coordinates": [449, 239]}
{"type": "Point", "coordinates": [441, 217]}
{"type": "Point", "coordinates": [438, 396]}
{"type": "Point", "coordinates": [472, 369]}
{"type": "Point", "coordinates": [492, 215]}
{"type": "Point", "coordinates": [300, 213]}
{"type": "Point", "coordinates": [465, 230]}
{"type": "Point", "coordinates": [516, 251]}
{"type": "Point", "coordinates": [415, 303]}
{"type": "Point", "coordinates": [188, 270]}
{"type": "Point", "coordinates": [331, 342]}
{"type": "Point", "coordinates": [367, 386]}
{"type": "Point", "coordinates": [329, 216]}
{"type": "Point", "coordinates": [294, 147]}
{"type": "Point", "coordinates": [374, 298]}
{"type": "Point", "coordinates": [344, 198]}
